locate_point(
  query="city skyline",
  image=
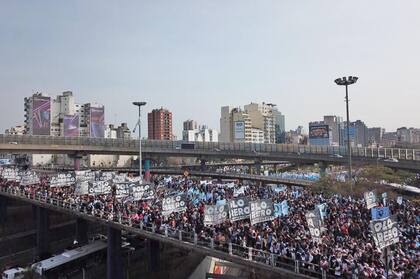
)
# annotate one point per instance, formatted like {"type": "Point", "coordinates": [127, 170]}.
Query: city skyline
{"type": "Point", "coordinates": [193, 63]}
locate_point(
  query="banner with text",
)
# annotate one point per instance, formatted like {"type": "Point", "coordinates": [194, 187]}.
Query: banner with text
{"type": "Point", "coordinates": [63, 179]}
{"type": "Point", "coordinates": [215, 214]}
{"type": "Point", "coordinates": [313, 218]}
{"type": "Point", "coordinates": [29, 178]}
{"type": "Point", "coordinates": [239, 209]}
{"type": "Point", "coordinates": [99, 187]}
{"type": "Point", "coordinates": [385, 232]}
{"type": "Point", "coordinates": [171, 204]}
{"type": "Point", "coordinates": [370, 198]}
{"type": "Point", "coordinates": [141, 192]}
{"type": "Point", "coordinates": [261, 211]}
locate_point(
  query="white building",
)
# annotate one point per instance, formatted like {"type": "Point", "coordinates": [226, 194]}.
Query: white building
{"type": "Point", "coordinates": [193, 132]}
{"type": "Point", "coordinates": [236, 124]}
{"type": "Point", "coordinates": [257, 135]}
{"type": "Point", "coordinates": [17, 130]}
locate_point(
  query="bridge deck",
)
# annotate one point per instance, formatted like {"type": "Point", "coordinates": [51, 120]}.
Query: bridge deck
{"type": "Point", "coordinates": [237, 254]}
{"type": "Point", "coordinates": [404, 158]}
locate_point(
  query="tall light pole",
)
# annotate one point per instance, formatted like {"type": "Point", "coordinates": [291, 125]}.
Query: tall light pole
{"type": "Point", "coordinates": [139, 104]}
{"type": "Point", "coordinates": [346, 82]}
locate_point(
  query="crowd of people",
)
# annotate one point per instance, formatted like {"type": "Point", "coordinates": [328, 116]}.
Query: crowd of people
{"type": "Point", "coordinates": [347, 249]}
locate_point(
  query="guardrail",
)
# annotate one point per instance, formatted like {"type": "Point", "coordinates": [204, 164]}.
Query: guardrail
{"type": "Point", "coordinates": [267, 260]}
{"type": "Point", "coordinates": [215, 147]}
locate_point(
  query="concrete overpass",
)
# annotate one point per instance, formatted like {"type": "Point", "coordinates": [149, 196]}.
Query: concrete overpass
{"type": "Point", "coordinates": [235, 176]}
{"type": "Point", "coordinates": [404, 158]}
{"type": "Point", "coordinates": [244, 256]}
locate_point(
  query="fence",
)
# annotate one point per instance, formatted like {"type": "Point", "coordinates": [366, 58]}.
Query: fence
{"type": "Point", "coordinates": [216, 147]}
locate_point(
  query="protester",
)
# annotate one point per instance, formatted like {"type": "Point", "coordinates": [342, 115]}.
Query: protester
{"type": "Point", "coordinates": [346, 249]}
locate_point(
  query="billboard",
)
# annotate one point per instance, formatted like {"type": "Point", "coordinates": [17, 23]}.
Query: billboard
{"type": "Point", "coordinates": [319, 132]}
{"type": "Point", "coordinates": [97, 122]}
{"type": "Point", "coordinates": [71, 125]}
{"type": "Point", "coordinates": [41, 115]}
{"type": "Point", "coordinates": [239, 129]}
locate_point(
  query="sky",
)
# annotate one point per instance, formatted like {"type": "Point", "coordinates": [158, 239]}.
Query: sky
{"type": "Point", "coordinates": [194, 56]}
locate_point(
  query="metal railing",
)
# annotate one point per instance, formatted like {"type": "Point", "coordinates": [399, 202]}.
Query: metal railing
{"type": "Point", "coordinates": [216, 147]}
{"type": "Point", "coordinates": [269, 260]}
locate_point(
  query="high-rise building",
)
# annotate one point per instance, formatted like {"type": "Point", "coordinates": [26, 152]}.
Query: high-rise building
{"type": "Point", "coordinates": [358, 134]}
{"type": "Point", "coordinates": [389, 139]}
{"type": "Point", "coordinates": [190, 125]}
{"type": "Point", "coordinates": [326, 132]}
{"type": "Point", "coordinates": [262, 118]}
{"type": "Point", "coordinates": [38, 115]}
{"type": "Point", "coordinates": [319, 133]}
{"type": "Point", "coordinates": [62, 116]}
{"type": "Point", "coordinates": [279, 125]}
{"type": "Point", "coordinates": [237, 125]}
{"type": "Point", "coordinates": [375, 135]}
{"type": "Point", "coordinates": [297, 136]}
{"type": "Point", "coordinates": [334, 124]}
{"type": "Point", "coordinates": [408, 135]}
{"type": "Point", "coordinates": [202, 134]}
{"type": "Point", "coordinates": [160, 124]}
{"type": "Point", "coordinates": [193, 132]}
{"type": "Point", "coordinates": [362, 133]}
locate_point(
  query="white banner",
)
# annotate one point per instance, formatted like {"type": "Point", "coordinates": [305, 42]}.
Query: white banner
{"type": "Point", "coordinates": [99, 187]}
{"type": "Point", "coordinates": [63, 179]}
{"type": "Point", "coordinates": [370, 198]}
{"type": "Point", "coordinates": [384, 232]}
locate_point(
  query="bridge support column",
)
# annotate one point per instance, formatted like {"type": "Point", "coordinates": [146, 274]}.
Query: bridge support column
{"type": "Point", "coordinates": [42, 232]}
{"type": "Point", "coordinates": [81, 231]}
{"type": "Point", "coordinates": [153, 253]}
{"type": "Point", "coordinates": [257, 167]}
{"type": "Point", "coordinates": [114, 262]}
{"type": "Point", "coordinates": [202, 165]}
{"type": "Point", "coordinates": [322, 169]}
{"type": "Point", "coordinates": [76, 161]}
{"type": "Point", "coordinates": [147, 174]}
{"type": "Point", "coordinates": [3, 210]}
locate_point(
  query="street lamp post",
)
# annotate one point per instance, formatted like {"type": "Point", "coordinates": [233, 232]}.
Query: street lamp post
{"type": "Point", "coordinates": [346, 82]}
{"type": "Point", "coordinates": [139, 104]}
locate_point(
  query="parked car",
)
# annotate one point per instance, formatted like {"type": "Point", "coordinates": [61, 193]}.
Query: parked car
{"type": "Point", "coordinates": [391, 160]}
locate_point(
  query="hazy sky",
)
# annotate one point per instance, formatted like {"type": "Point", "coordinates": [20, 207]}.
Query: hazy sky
{"type": "Point", "coordinates": [194, 56]}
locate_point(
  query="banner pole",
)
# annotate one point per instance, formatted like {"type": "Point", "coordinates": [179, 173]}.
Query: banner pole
{"type": "Point", "coordinates": [386, 262]}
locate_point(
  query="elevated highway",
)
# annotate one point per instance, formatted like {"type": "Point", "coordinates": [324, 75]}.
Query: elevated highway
{"type": "Point", "coordinates": [235, 176]}
{"type": "Point", "coordinates": [402, 158]}
{"type": "Point", "coordinates": [244, 256]}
